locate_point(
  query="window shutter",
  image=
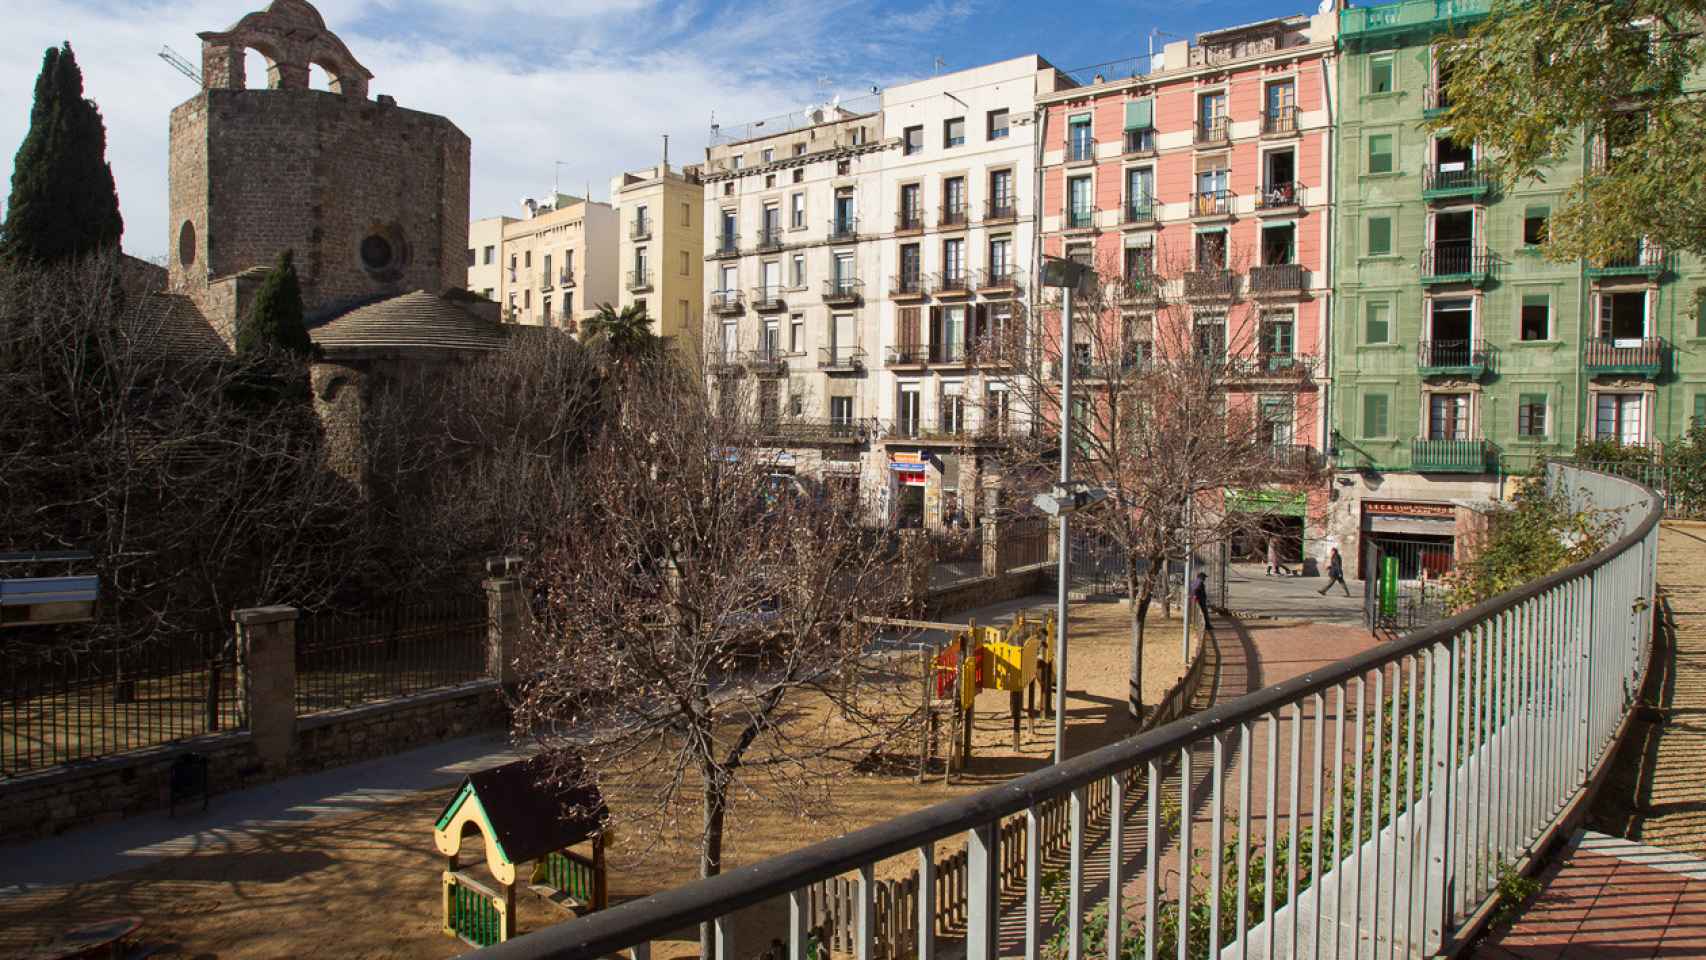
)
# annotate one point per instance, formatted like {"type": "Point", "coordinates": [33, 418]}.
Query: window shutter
{"type": "Point", "coordinates": [1374, 415]}
{"type": "Point", "coordinates": [1139, 114]}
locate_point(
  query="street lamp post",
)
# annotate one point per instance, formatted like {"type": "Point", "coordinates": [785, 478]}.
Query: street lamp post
{"type": "Point", "coordinates": [1064, 275]}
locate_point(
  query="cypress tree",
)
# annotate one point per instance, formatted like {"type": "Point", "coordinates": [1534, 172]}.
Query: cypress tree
{"type": "Point", "coordinates": [276, 317]}
{"type": "Point", "coordinates": [63, 201]}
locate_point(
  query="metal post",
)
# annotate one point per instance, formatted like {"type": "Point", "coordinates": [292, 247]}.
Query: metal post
{"type": "Point", "coordinates": [1185, 590]}
{"type": "Point", "coordinates": [1064, 573]}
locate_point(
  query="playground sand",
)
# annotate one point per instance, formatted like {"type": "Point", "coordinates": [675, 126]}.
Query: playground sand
{"type": "Point", "coordinates": [367, 884]}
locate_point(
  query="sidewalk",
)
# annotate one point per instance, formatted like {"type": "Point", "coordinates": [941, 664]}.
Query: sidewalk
{"type": "Point", "coordinates": [1249, 593]}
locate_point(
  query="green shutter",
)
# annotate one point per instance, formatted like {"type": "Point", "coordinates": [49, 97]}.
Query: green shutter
{"type": "Point", "coordinates": [1380, 153]}
{"type": "Point", "coordinates": [1139, 114]}
{"type": "Point", "coordinates": [1700, 318]}
{"type": "Point", "coordinates": [1376, 330]}
{"type": "Point", "coordinates": [1379, 236]}
{"type": "Point", "coordinates": [1374, 415]}
{"type": "Point", "coordinates": [1699, 410]}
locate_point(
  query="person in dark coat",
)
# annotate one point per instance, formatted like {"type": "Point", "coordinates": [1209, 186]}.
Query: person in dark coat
{"type": "Point", "coordinates": [1199, 596]}
{"type": "Point", "coordinates": [1335, 574]}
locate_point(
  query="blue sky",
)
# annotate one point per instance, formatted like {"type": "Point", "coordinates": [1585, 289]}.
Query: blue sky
{"type": "Point", "coordinates": [593, 83]}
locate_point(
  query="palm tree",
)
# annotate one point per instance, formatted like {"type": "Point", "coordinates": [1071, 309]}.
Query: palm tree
{"type": "Point", "coordinates": [627, 335]}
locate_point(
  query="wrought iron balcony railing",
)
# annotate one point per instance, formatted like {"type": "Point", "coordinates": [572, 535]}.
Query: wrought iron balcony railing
{"type": "Point", "coordinates": [727, 301]}
{"type": "Point", "coordinates": [767, 358]}
{"type": "Point", "coordinates": [1080, 218]}
{"type": "Point", "coordinates": [1470, 358]}
{"type": "Point", "coordinates": [770, 238]}
{"type": "Point", "coordinates": [1644, 357]}
{"type": "Point", "coordinates": [841, 358]}
{"type": "Point", "coordinates": [843, 290]}
{"type": "Point", "coordinates": [1139, 141]}
{"type": "Point", "coordinates": [1450, 456]}
{"type": "Point", "coordinates": [909, 221]}
{"type": "Point", "coordinates": [639, 280]}
{"type": "Point", "coordinates": [843, 229]}
{"type": "Point", "coordinates": [1080, 150]}
{"type": "Point", "coordinates": [1214, 131]}
{"type": "Point", "coordinates": [907, 355]}
{"type": "Point", "coordinates": [768, 298]}
{"type": "Point", "coordinates": [1467, 180]}
{"type": "Point", "coordinates": [951, 215]}
{"type": "Point", "coordinates": [566, 278]}
{"type": "Point", "coordinates": [1280, 196]}
{"type": "Point", "coordinates": [641, 229]}
{"type": "Point", "coordinates": [1211, 203]}
{"type": "Point", "coordinates": [728, 245]}
{"type": "Point", "coordinates": [1209, 284]}
{"type": "Point", "coordinates": [1649, 261]}
{"type": "Point", "coordinates": [909, 285]}
{"type": "Point", "coordinates": [1455, 261]}
{"type": "Point", "coordinates": [952, 283]}
{"type": "Point", "coordinates": [997, 278]}
{"type": "Point", "coordinates": [1435, 99]}
{"type": "Point", "coordinates": [1278, 278]}
{"type": "Point", "coordinates": [817, 429]}
{"type": "Point", "coordinates": [1278, 121]}
{"type": "Point", "coordinates": [1000, 209]}
{"type": "Point", "coordinates": [1270, 366]}
{"type": "Point", "coordinates": [1138, 211]}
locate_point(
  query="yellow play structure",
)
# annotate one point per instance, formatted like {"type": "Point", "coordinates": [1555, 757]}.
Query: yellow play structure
{"type": "Point", "coordinates": [530, 810]}
{"type": "Point", "coordinates": [1018, 658]}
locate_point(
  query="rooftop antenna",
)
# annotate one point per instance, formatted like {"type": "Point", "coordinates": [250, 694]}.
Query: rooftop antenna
{"type": "Point", "coordinates": [557, 179]}
{"type": "Point", "coordinates": [177, 62]}
{"type": "Point", "coordinates": [939, 64]}
{"type": "Point", "coordinates": [1153, 33]}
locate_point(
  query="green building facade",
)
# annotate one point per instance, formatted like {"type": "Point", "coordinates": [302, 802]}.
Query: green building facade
{"type": "Point", "coordinates": [1460, 355]}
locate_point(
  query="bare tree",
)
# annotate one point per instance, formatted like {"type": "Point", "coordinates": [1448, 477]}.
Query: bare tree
{"type": "Point", "coordinates": [1180, 397]}
{"type": "Point", "coordinates": [697, 613]}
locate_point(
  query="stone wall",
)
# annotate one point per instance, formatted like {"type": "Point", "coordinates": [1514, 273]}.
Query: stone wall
{"type": "Point", "coordinates": [981, 591]}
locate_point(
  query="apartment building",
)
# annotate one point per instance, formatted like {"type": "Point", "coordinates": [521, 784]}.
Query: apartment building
{"type": "Point", "coordinates": [1198, 186]}
{"type": "Point", "coordinates": [1462, 355]}
{"type": "Point", "coordinates": [557, 262]}
{"type": "Point", "coordinates": [792, 257]}
{"type": "Point", "coordinates": [661, 249]}
{"type": "Point", "coordinates": [485, 256]}
{"type": "Point", "coordinates": [959, 224]}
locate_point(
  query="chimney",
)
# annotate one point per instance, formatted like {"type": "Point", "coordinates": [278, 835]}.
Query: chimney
{"type": "Point", "coordinates": [665, 153]}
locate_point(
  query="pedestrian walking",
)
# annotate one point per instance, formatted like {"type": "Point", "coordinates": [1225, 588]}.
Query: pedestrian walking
{"type": "Point", "coordinates": [1199, 596]}
{"type": "Point", "coordinates": [1275, 567]}
{"type": "Point", "coordinates": [1335, 574]}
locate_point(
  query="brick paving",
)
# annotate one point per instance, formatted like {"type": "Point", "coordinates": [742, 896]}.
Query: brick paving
{"type": "Point", "coordinates": [1614, 897]}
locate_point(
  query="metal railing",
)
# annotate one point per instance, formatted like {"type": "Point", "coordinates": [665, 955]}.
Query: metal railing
{"type": "Point", "coordinates": [350, 659]}
{"type": "Point", "coordinates": [1137, 211]}
{"type": "Point", "coordinates": [59, 705]}
{"type": "Point", "coordinates": [1278, 196]}
{"type": "Point", "coordinates": [1450, 455]}
{"type": "Point", "coordinates": [843, 289]}
{"type": "Point", "coordinates": [1608, 355]}
{"type": "Point", "coordinates": [1467, 179]}
{"type": "Point", "coordinates": [909, 221]}
{"type": "Point", "coordinates": [639, 279]}
{"type": "Point", "coordinates": [951, 215]}
{"type": "Point", "coordinates": [1279, 120]}
{"type": "Point", "coordinates": [768, 297]}
{"type": "Point", "coordinates": [1080, 218]}
{"type": "Point", "coordinates": [1453, 259]}
{"type": "Point", "coordinates": [1216, 130]}
{"type": "Point", "coordinates": [770, 238]}
{"type": "Point", "coordinates": [1080, 149]}
{"type": "Point", "coordinates": [848, 357]}
{"type": "Point", "coordinates": [997, 278]}
{"type": "Point", "coordinates": [1210, 283]}
{"type": "Point", "coordinates": [1455, 356]}
{"type": "Point", "coordinates": [1211, 203]}
{"type": "Point", "coordinates": [1139, 141]}
{"type": "Point", "coordinates": [1278, 278]}
{"type": "Point", "coordinates": [951, 283]}
{"type": "Point", "coordinates": [817, 429]}
{"type": "Point", "coordinates": [727, 301]}
{"type": "Point", "coordinates": [842, 229]}
{"type": "Point", "coordinates": [641, 229]}
{"type": "Point", "coordinates": [728, 245]}
{"type": "Point", "coordinates": [908, 285]}
{"type": "Point", "coordinates": [997, 209]}
{"type": "Point", "coordinates": [1435, 97]}
{"type": "Point", "coordinates": [907, 355]}
{"type": "Point", "coordinates": [1413, 773]}
{"type": "Point", "coordinates": [566, 278]}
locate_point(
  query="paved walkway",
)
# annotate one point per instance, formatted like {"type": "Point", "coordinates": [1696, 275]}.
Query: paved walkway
{"type": "Point", "coordinates": [1642, 894]}
{"type": "Point", "coordinates": [1248, 591]}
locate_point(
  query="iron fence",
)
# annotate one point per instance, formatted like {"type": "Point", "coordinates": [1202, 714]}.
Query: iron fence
{"type": "Point", "coordinates": [1683, 490]}
{"type": "Point", "coordinates": [1404, 582]}
{"type": "Point", "coordinates": [1364, 808]}
{"type": "Point", "coordinates": [59, 706]}
{"type": "Point", "coordinates": [343, 660]}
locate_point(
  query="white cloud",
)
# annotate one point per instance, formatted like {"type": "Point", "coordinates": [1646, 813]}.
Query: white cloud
{"type": "Point", "coordinates": [594, 83]}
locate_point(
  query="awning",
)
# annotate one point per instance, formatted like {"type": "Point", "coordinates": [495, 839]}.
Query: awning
{"type": "Point", "coordinates": [1139, 114]}
{"type": "Point", "coordinates": [1218, 229]}
{"type": "Point", "coordinates": [907, 467]}
{"type": "Point", "coordinates": [1280, 502]}
{"type": "Point", "coordinates": [1271, 224]}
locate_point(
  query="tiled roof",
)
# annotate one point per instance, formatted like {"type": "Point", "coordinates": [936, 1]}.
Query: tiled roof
{"type": "Point", "coordinates": [411, 321]}
{"type": "Point", "coordinates": [173, 321]}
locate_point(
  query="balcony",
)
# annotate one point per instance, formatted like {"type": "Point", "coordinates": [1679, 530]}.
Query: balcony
{"type": "Point", "coordinates": [767, 360]}
{"type": "Point", "coordinates": [769, 238]}
{"type": "Point", "coordinates": [1278, 280]}
{"type": "Point", "coordinates": [908, 286]}
{"type": "Point", "coordinates": [1211, 204]}
{"type": "Point", "coordinates": [948, 354]}
{"type": "Point", "coordinates": [1450, 456]}
{"type": "Point", "coordinates": [1279, 121]}
{"type": "Point", "coordinates": [841, 358]}
{"type": "Point", "coordinates": [1456, 261]}
{"type": "Point", "coordinates": [907, 355]}
{"type": "Point", "coordinates": [1210, 284]}
{"type": "Point", "coordinates": [1294, 458]}
{"type": "Point", "coordinates": [1643, 358]}
{"type": "Point", "coordinates": [641, 229]}
{"type": "Point", "coordinates": [545, 281]}
{"type": "Point", "coordinates": [1081, 218]}
{"type": "Point", "coordinates": [1453, 358]}
{"type": "Point", "coordinates": [843, 229]}
{"type": "Point", "coordinates": [728, 245]}
{"type": "Point", "coordinates": [1282, 197]}
{"type": "Point", "coordinates": [843, 291]}
{"type": "Point", "coordinates": [997, 280]}
{"type": "Point", "coordinates": [803, 430]}
{"type": "Point", "coordinates": [1439, 183]}
{"type": "Point", "coordinates": [1080, 151]}
{"type": "Point", "coordinates": [1435, 101]}
{"type": "Point", "coordinates": [1649, 262]}
{"type": "Point", "coordinates": [1134, 212]}
{"type": "Point", "coordinates": [952, 284]}
{"type": "Point", "coordinates": [726, 302]}
{"type": "Point", "coordinates": [1139, 287]}
{"type": "Point", "coordinates": [951, 216]}
{"type": "Point", "coordinates": [1361, 26]}
{"type": "Point", "coordinates": [909, 221]}
{"type": "Point", "coordinates": [1138, 142]}
{"type": "Point", "coordinates": [1271, 368]}
{"type": "Point", "coordinates": [1000, 210]}
{"type": "Point", "coordinates": [639, 281]}
{"type": "Point", "coordinates": [1213, 133]}
{"type": "Point", "coordinates": [723, 360]}
{"type": "Point", "coordinates": [768, 299]}
{"type": "Point", "coordinates": [566, 278]}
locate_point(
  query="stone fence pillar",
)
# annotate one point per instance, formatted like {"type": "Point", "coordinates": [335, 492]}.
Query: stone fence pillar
{"type": "Point", "coordinates": [506, 619]}
{"type": "Point", "coordinates": [992, 530]}
{"type": "Point", "coordinates": [917, 559]}
{"type": "Point", "coordinates": [266, 643]}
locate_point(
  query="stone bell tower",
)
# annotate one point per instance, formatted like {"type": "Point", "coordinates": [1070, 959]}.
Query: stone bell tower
{"type": "Point", "coordinates": [373, 198]}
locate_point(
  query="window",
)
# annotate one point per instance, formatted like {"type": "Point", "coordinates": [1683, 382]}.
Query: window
{"type": "Point", "coordinates": [954, 132]}
{"type": "Point", "coordinates": [1374, 415]}
{"type": "Point", "coordinates": [490, 252]}
{"type": "Point", "coordinates": [1001, 192]}
{"type": "Point", "coordinates": [841, 410]}
{"type": "Point", "coordinates": [1534, 226]}
{"type": "Point", "coordinates": [1079, 144]}
{"type": "Point", "coordinates": [684, 267]}
{"type": "Point", "coordinates": [799, 149]}
{"type": "Point", "coordinates": [569, 263]}
{"type": "Point", "coordinates": [769, 154]}
{"type": "Point", "coordinates": [843, 167]}
{"type": "Point", "coordinates": [642, 222]}
{"type": "Point", "coordinates": [1617, 416]}
{"type": "Point", "coordinates": [739, 161]}
{"type": "Point", "coordinates": [1381, 70]}
{"type": "Point", "coordinates": [527, 259]}
{"type": "Point", "coordinates": [1209, 337]}
{"type": "Point", "coordinates": [473, 257]}
{"type": "Point", "coordinates": [796, 404]}
{"type": "Point", "coordinates": [953, 409]}
{"type": "Point", "coordinates": [798, 271]}
{"type": "Point", "coordinates": [797, 211]}
{"type": "Point", "coordinates": [1448, 416]}
{"type": "Point", "coordinates": [1531, 416]}
{"type": "Point", "coordinates": [1536, 316]}
{"type": "Point", "coordinates": [911, 208]}
{"type": "Point", "coordinates": [569, 308]}
{"type": "Point", "coordinates": [909, 410]}
{"type": "Point", "coordinates": [1380, 153]}
{"type": "Point", "coordinates": [954, 258]}
{"type": "Point", "coordinates": [527, 298]}
{"type": "Point", "coordinates": [769, 180]}
{"type": "Point", "coordinates": [1000, 257]}
{"type": "Point", "coordinates": [1080, 211]}
{"type": "Point", "coordinates": [687, 214]}
{"type": "Point", "coordinates": [729, 189]}
{"type": "Point", "coordinates": [1377, 322]}
{"type": "Point", "coordinates": [799, 174]}
{"type": "Point", "coordinates": [546, 264]}
{"type": "Point", "coordinates": [1698, 421]}
{"type": "Point", "coordinates": [998, 124]}
{"type": "Point", "coordinates": [912, 141]}
{"type": "Point", "coordinates": [545, 308]}
{"type": "Point", "coordinates": [796, 333]}
{"type": "Point", "coordinates": [1380, 236]}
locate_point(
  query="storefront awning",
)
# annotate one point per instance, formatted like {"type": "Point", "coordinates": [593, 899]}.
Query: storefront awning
{"type": "Point", "coordinates": [1280, 502]}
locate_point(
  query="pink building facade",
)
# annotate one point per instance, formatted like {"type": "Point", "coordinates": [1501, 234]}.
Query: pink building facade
{"type": "Point", "coordinates": [1200, 193]}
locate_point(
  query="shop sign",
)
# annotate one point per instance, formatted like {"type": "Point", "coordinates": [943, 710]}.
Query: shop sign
{"type": "Point", "coordinates": [1409, 510]}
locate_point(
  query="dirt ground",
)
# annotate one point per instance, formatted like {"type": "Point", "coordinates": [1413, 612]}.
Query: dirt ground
{"type": "Point", "coordinates": [368, 884]}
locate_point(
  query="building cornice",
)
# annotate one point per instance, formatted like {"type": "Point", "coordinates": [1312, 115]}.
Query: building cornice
{"type": "Point", "coordinates": [1150, 82]}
